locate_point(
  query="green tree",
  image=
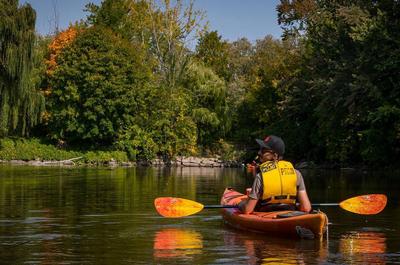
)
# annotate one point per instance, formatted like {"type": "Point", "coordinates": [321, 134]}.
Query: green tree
{"type": "Point", "coordinates": [112, 14]}
{"type": "Point", "coordinates": [165, 29]}
{"type": "Point", "coordinates": [172, 28]}
{"type": "Point", "coordinates": [20, 101]}
{"type": "Point", "coordinates": [241, 69]}
{"type": "Point", "coordinates": [128, 18]}
{"type": "Point", "coordinates": [240, 58]}
{"type": "Point", "coordinates": [293, 16]}
{"type": "Point", "coordinates": [214, 52]}
{"type": "Point", "coordinates": [174, 129]}
{"type": "Point", "coordinates": [165, 129]}
{"type": "Point", "coordinates": [99, 88]}
{"type": "Point", "coordinates": [208, 104]}
{"type": "Point", "coordinates": [349, 81]}
{"type": "Point", "coordinates": [258, 110]}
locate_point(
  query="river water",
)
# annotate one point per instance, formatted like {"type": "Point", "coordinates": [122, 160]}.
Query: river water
{"type": "Point", "coordinates": [51, 215]}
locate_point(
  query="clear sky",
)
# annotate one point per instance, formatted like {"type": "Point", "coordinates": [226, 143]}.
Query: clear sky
{"type": "Point", "coordinates": [233, 19]}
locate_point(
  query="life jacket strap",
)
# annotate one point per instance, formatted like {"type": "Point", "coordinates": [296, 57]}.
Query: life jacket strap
{"type": "Point", "coordinates": [280, 197]}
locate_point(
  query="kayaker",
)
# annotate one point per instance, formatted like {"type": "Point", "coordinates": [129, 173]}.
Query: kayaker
{"type": "Point", "coordinates": [277, 185]}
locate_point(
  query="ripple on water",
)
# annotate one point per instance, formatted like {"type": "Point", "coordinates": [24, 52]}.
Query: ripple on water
{"type": "Point", "coordinates": [212, 218]}
{"type": "Point", "coordinates": [33, 220]}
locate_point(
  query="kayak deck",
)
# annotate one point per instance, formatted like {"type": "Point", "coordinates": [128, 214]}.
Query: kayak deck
{"type": "Point", "coordinates": [277, 223]}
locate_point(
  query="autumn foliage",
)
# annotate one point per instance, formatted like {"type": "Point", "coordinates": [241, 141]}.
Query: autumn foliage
{"type": "Point", "coordinates": [56, 46]}
{"type": "Point", "coordinates": [62, 40]}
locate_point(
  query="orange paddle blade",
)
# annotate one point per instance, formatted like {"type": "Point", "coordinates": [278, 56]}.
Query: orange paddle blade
{"type": "Point", "coordinates": [176, 207]}
{"type": "Point", "coordinates": [365, 204]}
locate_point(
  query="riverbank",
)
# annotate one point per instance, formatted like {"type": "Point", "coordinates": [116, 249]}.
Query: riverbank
{"type": "Point", "coordinates": [179, 161]}
{"type": "Point", "coordinates": [34, 152]}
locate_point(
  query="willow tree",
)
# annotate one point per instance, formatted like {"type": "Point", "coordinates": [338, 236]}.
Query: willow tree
{"type": "Point", "coordinates": [20, 102]}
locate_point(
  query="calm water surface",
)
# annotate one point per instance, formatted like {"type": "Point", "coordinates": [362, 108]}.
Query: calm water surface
{"type": "Point", "coordinates": [106, 216]}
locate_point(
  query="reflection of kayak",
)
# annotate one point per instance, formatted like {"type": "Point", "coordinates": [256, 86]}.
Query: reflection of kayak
{"type": "Point", "coordinates": [279, 223]}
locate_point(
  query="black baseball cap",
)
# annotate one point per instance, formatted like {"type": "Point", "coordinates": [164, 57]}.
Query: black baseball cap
{"type": "Point", "coordinates": [273, 143]}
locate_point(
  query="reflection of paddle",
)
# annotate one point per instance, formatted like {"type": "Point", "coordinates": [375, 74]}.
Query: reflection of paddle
{"type": "Point", "coordinates": [174, 242]}
{"type": "Point", "coordinates": [367, 247]}
{"type": "Point", "coordinates": [178, 207]}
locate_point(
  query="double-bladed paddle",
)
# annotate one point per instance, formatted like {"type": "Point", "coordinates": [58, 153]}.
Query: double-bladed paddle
{"type": "Point", "coordinates": [177, 207]}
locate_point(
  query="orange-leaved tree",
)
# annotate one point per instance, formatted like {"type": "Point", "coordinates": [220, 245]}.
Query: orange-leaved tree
{"type": "Point", "coordinates": [56, 46]}
{"type": "Point", "coordinates": [61, 40]}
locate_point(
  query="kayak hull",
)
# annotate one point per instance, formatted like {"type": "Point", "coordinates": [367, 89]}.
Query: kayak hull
{"type": "Point", "coordinates": [308, 225]}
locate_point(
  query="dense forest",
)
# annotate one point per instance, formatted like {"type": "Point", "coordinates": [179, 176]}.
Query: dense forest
{"type": "Point", "coordinates": [125, 79]}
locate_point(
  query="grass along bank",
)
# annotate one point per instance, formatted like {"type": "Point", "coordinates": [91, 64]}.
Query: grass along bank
{"type": "Point", "coordinates": [22, 149]}
{"type": "Point", "coordinates": [35, 152]}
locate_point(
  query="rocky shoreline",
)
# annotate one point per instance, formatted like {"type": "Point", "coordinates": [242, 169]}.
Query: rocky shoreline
{"type": "Point", "coordinates": [179, 161]}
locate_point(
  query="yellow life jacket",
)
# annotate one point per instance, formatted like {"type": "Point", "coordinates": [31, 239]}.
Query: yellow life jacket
{"type": "Point", "coordinates": [279, 182]}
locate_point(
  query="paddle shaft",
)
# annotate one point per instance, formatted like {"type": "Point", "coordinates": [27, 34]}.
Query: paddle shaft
{"type": "Point", "coordinates": [324, 204]}
{"type": "Point", "coordinates": [219, 206]}
{"type": "Point", "coordinates": [235, 206]}
{"type": "Point", "coordinates": [178, 207]}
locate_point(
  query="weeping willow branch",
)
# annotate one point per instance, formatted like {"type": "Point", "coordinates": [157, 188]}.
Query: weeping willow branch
{"type": "Point", "coordinates": [20, 102]}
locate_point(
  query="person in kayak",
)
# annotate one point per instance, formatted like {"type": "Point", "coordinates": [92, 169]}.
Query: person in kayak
{"type": "Point", "coordinates": [277, 185]}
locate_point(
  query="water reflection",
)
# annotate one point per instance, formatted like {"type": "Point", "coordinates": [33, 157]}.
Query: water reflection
{"type": "Point", "coordinates": [365, 247]}
{"type": "Point", "coordinates": [103, 216]}
{"type": "Point", "coordinates": [177, 243]}
{"type": "Point", "coordinates": [263, 250]}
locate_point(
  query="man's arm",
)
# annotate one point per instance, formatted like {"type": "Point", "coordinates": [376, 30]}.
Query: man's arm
{"type": "Point", "coordinates": [247, 206]}
{"type": "Point", "coordinates": [302, 197]}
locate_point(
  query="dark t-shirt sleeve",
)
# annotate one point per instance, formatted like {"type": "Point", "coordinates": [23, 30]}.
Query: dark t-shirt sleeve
{"type": "Point", "coordinates": [256, 189]}
{"type": "Point", "coordinates": [300, 181]}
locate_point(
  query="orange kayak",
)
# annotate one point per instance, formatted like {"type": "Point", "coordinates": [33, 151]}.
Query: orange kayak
{"type": "Point", "coordinates": [292, 224]}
